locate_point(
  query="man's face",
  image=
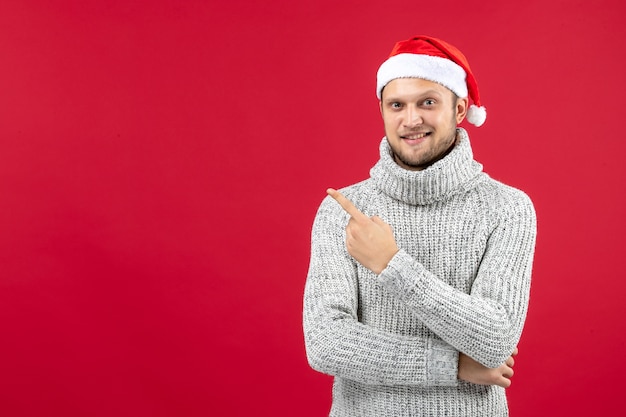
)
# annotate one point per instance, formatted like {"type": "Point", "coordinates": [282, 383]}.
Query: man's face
{"type": "Point", "coordinates": [420, 119]}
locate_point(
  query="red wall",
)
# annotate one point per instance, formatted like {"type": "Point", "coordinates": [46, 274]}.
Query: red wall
{"type": "Point", "coordinates": [161, 164]}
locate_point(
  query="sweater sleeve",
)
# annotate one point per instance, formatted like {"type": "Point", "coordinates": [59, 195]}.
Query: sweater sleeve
{"type": "Point", "coordinates": [487, 323]}
{"type": "Point", "coordinates": [338, 344]}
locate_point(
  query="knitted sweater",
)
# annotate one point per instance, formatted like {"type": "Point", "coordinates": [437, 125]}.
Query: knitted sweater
{"type": "Point", "coordinates": [459, 283]}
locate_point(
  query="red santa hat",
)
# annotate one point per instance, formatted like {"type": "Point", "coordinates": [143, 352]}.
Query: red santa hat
{"type": "Point", "coordinates": [434, 60]}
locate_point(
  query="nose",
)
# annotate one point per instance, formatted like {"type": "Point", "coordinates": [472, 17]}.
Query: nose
{"type": "Point", "coordinates": [413, 117]}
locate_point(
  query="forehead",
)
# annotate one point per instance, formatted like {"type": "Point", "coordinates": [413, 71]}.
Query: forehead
{"type": "Point", "coordinates": [409, 87]}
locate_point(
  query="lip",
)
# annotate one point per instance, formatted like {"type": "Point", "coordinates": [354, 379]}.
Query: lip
{"type": "Point", "coordinates": [415, 138]}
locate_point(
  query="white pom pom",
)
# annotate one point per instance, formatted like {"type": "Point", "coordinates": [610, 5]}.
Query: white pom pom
{"type": "Point", "coordinates": [476, 115]}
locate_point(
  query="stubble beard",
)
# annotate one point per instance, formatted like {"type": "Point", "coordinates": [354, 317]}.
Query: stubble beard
{"type": "Point", "coordinates": [430, 157]}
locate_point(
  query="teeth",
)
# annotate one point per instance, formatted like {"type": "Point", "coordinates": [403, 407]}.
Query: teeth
{"type": "Point", "coordinates": [419, 136]}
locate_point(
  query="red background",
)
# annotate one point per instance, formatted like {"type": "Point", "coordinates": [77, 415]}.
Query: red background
{"type": "Point", "coordinates": [161, 163]}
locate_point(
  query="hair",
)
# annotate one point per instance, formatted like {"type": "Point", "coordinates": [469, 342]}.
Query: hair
{"type": "Point", "coordinates": [455, 98]}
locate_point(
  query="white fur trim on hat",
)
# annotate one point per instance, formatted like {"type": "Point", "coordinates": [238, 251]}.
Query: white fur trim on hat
{"type": "Point", "coordinates": [432, 68]}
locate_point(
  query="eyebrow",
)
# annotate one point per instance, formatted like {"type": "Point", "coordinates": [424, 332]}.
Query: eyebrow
{"type": "Point", "coordinates": [427, 93]}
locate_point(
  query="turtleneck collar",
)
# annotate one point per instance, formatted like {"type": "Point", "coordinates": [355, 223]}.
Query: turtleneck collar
{"type": "Point", "coordinates": [452, 174]}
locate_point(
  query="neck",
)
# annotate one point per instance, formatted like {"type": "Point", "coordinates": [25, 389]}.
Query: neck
{"type": "Point", "coordinates": [429, 184]}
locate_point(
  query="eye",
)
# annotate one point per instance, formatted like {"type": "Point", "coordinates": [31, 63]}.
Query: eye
{"type": "Point", "coordinates": [395, 105]}
{"type": "Point", "coordinates": [429, 102]}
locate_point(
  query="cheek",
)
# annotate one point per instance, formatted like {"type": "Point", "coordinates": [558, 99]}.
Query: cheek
{"type": "Point", "coordinates": [396, 119]}
{"type": "Point", "coordinates": [390, 121]}
{"type": "Point", "coordinates": [444, 118]}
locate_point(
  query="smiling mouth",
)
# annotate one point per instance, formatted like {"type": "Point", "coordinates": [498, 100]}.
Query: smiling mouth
{"type": "Point", "coordinates": [415, 136]}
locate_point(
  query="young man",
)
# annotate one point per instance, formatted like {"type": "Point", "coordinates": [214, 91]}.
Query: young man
{"type": "Point", "coordinates": [419, 278]}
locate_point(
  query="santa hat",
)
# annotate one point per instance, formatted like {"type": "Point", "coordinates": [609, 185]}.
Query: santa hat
{"type": "Point", "coordinates": [434, 60]}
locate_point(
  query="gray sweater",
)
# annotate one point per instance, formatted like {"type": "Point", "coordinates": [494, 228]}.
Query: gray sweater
{"type": "Point", "coordinates": [460, 283]}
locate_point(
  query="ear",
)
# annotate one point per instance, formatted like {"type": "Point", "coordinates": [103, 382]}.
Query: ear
{"type": "Point", "coordinates": [380, 107]}
{"type": "Point", "coordinates": [462, 104]}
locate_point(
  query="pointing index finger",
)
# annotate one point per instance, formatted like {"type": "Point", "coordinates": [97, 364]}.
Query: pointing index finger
{"type": "Point", "coordinates": [346, 204]}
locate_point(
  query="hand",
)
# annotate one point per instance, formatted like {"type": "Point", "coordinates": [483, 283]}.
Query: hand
{"type": "Point", "coordinates": [369, 240]}
{"type": "Point", "coordinates": [472, 371]}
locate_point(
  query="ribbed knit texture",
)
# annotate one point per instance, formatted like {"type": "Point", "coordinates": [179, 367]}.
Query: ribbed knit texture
{"type": "Point", "coordinates": [460, 282]}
